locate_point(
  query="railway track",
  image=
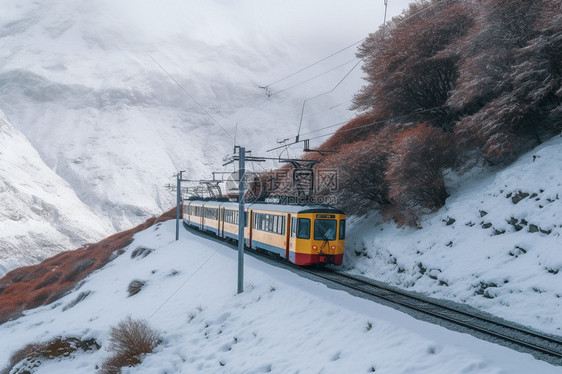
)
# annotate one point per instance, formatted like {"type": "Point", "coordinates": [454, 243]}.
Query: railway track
{"type": "Point", "coordinates": [446, 313]}
{"type": "Point", "coordinates": [541, 346]}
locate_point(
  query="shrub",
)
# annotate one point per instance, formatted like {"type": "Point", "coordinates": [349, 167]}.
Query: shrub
{"type": "Point", "coordinates": [33, 353]}
{"type": "Point", "coordinates": [129, 341]}
{"type": "Point", "coordinates": [20, 355]}
{"type": "Point", "coordinates": [81, 296]}
{"type": "Point", "coordinates": [135, 287]}
{"type": "Point", "coordinates": [141, 252]}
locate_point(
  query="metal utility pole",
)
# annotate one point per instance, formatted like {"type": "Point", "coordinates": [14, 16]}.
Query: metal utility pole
{"type": "Point", "coordinates": [241, 217]}
{"type": "Point", "coordinates": [385, 7]}
{"type": "Point", "coordinates": [178, 197]}
{"type": "Point", "coordinates": [241, 157]}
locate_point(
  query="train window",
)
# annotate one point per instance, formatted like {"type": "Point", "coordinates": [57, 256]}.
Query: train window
{"type": "Point", "coordinates": [293, 227]}
{"type": "Point", "coordinates": [275, 223]}
{"type": "Point", "coordinates": [303, 229]}
{"type": "Point", "coordinates": [342, 229]}
{"type": "Point", "coordinates": [245, 219]}
{"type": "Point", "coordinates": [325, 229]}
{"type": "Point", "coordinates": [281, 225]}
{"type": "Point", "coordinates": [230, 217]}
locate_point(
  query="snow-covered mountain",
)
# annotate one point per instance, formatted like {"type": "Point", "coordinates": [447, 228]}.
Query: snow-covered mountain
{"type": "Point", "coordinates": [40, 215]}
{"type": "Point", "coordinates": [93, 86]}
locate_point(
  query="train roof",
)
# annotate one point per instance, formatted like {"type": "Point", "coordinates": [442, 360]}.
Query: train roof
{"type": "Point", "coordinates": [317, 208]}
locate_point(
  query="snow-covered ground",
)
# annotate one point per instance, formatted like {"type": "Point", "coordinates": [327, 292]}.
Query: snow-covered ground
{"type": "Point", "coordinates": [496, 245]}
{"type": "Point", "coordinates": [281, 323]}
{"type": "Point", "coordinates": [40, 215]}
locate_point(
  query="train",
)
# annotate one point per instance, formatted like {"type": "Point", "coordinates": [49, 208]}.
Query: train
{"type": "Point", "coordinates": [303, 234]}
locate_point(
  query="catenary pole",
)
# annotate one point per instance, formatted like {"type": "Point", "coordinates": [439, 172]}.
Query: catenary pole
{"type": "Point", "coordinates": [241, 218]}
{"type": "Point", "coordinates": [178, 197]}
{"type": "Point", "coordinates": [385, 8]}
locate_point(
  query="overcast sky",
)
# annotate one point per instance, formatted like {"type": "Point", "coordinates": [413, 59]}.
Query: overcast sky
{"type": "Point", "coordinates": [321, 25]}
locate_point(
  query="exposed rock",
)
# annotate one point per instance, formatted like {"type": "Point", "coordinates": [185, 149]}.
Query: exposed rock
{"type": "Point", "coordinates": [518, 197]}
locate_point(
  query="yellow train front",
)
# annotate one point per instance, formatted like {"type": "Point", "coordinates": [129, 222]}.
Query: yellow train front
{"type": "Point", "coordinates": [304, 235]}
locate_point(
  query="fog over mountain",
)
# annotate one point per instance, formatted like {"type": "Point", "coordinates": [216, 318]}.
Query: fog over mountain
{"type": "Point", "coordinates": [116, 97]}
{"type": "Point", "coordinates": [89, 84]}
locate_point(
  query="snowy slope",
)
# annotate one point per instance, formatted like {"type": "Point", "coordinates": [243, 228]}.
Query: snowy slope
{"type": "Point", "coordinates": [40, 215]}
{"type": "Point", "coordinates": [281, 323]}
{"type": "Point", "coordinates": [82, 81]}
{"type": "Point", "coordinates": [496, 245]}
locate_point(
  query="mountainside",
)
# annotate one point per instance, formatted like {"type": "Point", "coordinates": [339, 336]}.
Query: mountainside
{"type": "Point", "coordinates": [40, 215]}
{"type": "Point", "coordinates": [186, 291]}
{"type": "Point", "coordinates": [495, 245]}
{"type": "Point", "coordinates": [90, 92]}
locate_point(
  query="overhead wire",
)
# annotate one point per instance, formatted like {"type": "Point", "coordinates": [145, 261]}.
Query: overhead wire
{"type": "Point", "coordinates": [184, 283]}
{"type": "Point", "coordinates": [324, 93]}
{"type": "Point", "coordinates": [400, 22]}
{"type": "Point", "coordinates": [192, 98]}
{"type": "Point", "coordinates": [347, 47]}
{"type": "Point", "coordinates": [314, 64]}
{"type": "Point", "coordinates": [310, 79]}
{"type": "Point", "coordinates": [374, 123]}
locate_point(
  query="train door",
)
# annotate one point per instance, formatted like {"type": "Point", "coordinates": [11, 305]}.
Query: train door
{"type": "Point", "coordinates": [250, 224]}
{"type": "Point", "coordinates": [287, 236]}
{"type": "Point", "coordinates": [221, 222]}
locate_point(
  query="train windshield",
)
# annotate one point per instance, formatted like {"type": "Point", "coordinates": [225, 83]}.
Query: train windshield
{"type": "Point", "coordinates": [325, 229]}
{"type": "Point", "coordinates": [303, 231]}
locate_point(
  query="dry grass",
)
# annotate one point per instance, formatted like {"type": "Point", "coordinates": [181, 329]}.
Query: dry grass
{"type": "Point", "coordinates": [32, 286]}
{"type": "Point", "coordinates": [129, 341]}
{"type": "Point", "coordinates": [59, 347]}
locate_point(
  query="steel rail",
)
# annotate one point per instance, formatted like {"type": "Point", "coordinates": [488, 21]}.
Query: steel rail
{"type": "Point", "coordinates": [389, 294]}
{"type": "Point", "coordinates": [363, 285]}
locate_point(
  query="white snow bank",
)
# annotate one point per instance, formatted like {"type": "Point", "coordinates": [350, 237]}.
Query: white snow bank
{"type": "Point", "coordinates": [281, 324]}
{"type": "Point", "coordinates": [496, 244]}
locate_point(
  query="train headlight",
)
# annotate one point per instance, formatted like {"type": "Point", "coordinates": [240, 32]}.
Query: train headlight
{"type": "Point", "coordinates": [314, 247]}
{"type": "Point", "coordinates": [333, 248]}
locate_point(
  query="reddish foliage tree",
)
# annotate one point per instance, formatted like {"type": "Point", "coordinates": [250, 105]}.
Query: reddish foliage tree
{"type": "Point", "coordinates": [361, 167]}
{"type": "Point", "coordinates": [409, 67]}
{"type": "Point", "coordinates": [509, 79]}
{"type": "Point", "coordinates": [415, 173]}
{"type": "Point", "coordinates": [355, 130]}
{"type": "Point", "coordinates": [488, 72]}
